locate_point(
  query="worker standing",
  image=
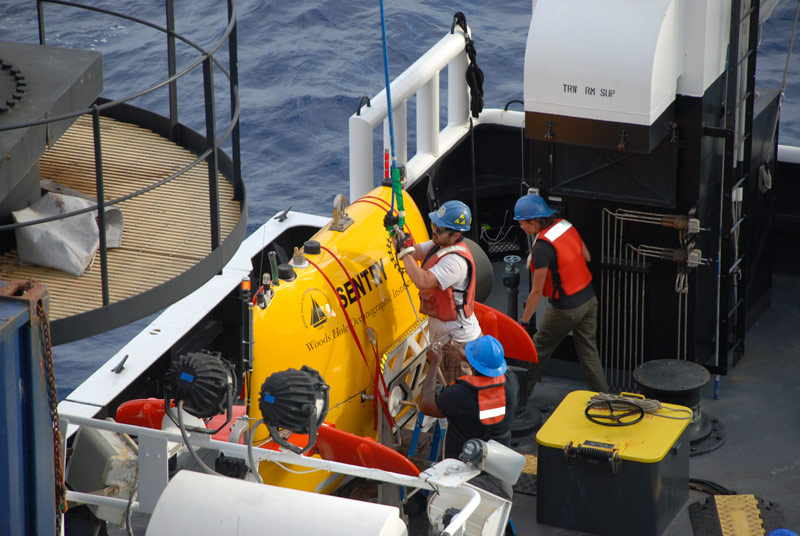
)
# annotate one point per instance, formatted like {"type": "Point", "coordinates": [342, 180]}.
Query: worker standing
{"type": "Point", "coordinates": [446, 283]}
{"type": "Point", "coordinates": [558, 263]}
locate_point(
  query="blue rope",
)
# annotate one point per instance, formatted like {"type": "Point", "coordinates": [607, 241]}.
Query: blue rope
{"type": "Point", "coordinates": [388, 91]}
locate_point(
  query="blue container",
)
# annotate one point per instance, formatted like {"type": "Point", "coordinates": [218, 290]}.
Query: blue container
{"type": "Point", "coordinates": [27, 474]}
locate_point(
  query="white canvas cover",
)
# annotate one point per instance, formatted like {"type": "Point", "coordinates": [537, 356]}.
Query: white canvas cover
{"type": "Point", "coordinates": [69, 244]}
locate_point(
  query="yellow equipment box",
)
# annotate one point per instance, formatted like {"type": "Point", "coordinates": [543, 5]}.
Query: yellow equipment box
{"type": "Point", "coordinates": [612, 471]}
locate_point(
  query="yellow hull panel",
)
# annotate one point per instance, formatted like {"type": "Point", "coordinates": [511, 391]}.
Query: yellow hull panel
{"type": "Point", "coordinates": [306, 322]}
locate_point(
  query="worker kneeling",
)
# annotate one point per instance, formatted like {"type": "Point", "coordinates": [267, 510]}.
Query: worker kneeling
{"type": "Point", "coordinates": [479, 406]}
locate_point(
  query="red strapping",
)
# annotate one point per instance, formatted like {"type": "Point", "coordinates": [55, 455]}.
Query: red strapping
{"type": "Point", "coordinates": [369, 198]}
{"type": "Point", "coordinates": [378, 395]}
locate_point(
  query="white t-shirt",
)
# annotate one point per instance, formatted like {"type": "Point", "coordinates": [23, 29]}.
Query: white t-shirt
{"type": "Point", "coordinates": [452, 271]}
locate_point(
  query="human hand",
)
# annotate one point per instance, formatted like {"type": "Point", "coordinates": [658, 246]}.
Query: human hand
{"type": "Point", "coordinates": [529, 326]}
{"type": "Point", "coordinates": [403, 244]}
{"type": "Point", "coordinates": [453, 350]}
{"type": "Point", "coordinates": [435, 354]}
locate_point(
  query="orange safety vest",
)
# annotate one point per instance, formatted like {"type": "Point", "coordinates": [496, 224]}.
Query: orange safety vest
{"type": "Point", "coordinates": [572, 274]}
{"type": "Point", "coordinates": [491, 396]}
{"type": "Point", "coordinates": [439, 303]}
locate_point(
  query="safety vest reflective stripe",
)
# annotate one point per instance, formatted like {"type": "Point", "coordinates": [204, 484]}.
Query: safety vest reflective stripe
{"type": "Point", "coordinates": [489, 413]}
{"type": "Point", "coordinates": [557, 230]}
{"type": "Point", "coordinates": [491, 397]}
{"type": "Point", "coordinates": [573, 274]}
{"type": "Point", "coordinates": [444, 251]}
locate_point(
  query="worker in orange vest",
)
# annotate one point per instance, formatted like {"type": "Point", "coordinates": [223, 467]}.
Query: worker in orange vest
{"type": "Point", "coordinates": [445, 278]}
{"type": "Point", "coordinates": [558, 264]}
{"type": "Point", "coordinates": [477, 406]}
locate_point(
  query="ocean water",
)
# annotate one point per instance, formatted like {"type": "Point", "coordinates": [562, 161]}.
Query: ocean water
{"type": "Point", "coordinates": [302, 68]}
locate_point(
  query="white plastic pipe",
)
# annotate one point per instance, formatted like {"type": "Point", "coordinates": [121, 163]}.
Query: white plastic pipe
{"type": "Point", "coordinates": [100, 500]}
{"type": "Point", "coordinates": [153, 444]}
{"type": "Point", "coordinates": [789, 154]}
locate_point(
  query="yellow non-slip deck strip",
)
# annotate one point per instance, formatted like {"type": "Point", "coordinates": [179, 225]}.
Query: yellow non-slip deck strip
{"type": "Point", "coordinates": [530, 464]}
{"type": "Point", "coordinates": [739, 515]}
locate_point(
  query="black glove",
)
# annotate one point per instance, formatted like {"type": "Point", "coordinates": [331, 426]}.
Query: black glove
{"type": "Point", "coordinates": [530, 326]}
{"type": "Point", "coordinates": [390, 220]}
{"type": "Point", "coordinates": [403, 243]}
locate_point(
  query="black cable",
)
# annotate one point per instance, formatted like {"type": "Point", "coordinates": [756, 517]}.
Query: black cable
{"type": "Point", "coordinates": [709, 487]}
{"type": "Point", "coordinates": [188, 444]}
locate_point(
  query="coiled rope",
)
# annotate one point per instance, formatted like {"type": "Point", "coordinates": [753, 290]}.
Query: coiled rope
{"type": "Point", "coordinates": [648, 405]}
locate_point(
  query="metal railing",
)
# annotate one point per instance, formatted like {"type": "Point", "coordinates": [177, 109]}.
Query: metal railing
{"type": "Point", "coordinates": [206, 61]}
{"type": "Point", "coordinates": [421, 79]}
{"type": "Point", "coordinates": [448, 476]}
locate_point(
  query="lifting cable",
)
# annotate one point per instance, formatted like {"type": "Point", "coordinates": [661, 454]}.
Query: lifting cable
{"type": "Point", "coordinates": [783, 83]}
{"type": "Point", "coordinates": [474, 74]}
{"type": "Point", "coordinates": [474, 77]}
{"type": "Point", "coordinates": [374, 201]}
{"type": "Point", "coordinates": [397, 192]}
{"type": "Point", "coordinates": [397, 188]}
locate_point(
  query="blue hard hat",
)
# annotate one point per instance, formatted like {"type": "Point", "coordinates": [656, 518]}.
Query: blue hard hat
{"type": "Point", "coordinates": [486, 355]}
{"type": "Point", "coordinates": [530, 207]}
{"type": "Point", "coordinates": [452, 215]}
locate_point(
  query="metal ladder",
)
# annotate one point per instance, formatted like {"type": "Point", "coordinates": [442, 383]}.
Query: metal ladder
{"type": "Point", "coordinates": [739, 105]}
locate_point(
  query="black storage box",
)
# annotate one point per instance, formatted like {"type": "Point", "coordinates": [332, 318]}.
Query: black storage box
{"type": "Point", "coordinates": [612, 480]}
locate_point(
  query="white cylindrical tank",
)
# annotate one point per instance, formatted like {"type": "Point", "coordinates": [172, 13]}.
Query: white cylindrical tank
{"type": "Point", "coordinates": [198, 503]}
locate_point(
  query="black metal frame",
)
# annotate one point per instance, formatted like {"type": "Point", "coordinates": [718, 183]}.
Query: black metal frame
{"type": "Point", "coordinates": [128, 310]}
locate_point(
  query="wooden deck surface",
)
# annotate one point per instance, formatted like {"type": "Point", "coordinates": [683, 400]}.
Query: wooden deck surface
{"type": "Point", "coordinates": [166, 230]}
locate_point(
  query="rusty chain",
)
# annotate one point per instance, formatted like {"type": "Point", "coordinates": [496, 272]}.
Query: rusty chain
{"type": "Point", "coordinates": [47, 350]}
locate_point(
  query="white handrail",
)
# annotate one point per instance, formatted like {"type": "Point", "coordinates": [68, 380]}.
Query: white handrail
{"type": "Point", "coordinates": [420, 79]}
{"type": "Point", "coordinates": [460, 519]}
{"type": "Point", "coordinates": [153, 446]}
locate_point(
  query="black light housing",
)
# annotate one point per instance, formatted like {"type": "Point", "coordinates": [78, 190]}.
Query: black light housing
{"type": "Point", "coordinates": [203, 381]}
{"type": "Point", "coordinates": [294, 400]}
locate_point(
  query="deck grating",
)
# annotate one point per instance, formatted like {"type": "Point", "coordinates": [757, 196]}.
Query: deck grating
{"type": "Point", "coordinates": [166, 231]}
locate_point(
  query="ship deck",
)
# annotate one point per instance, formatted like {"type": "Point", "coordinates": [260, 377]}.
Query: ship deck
{"type": "Point", "coordinates": [166, 230]}
{"type": "Point", "coordinates": [758, 407]}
